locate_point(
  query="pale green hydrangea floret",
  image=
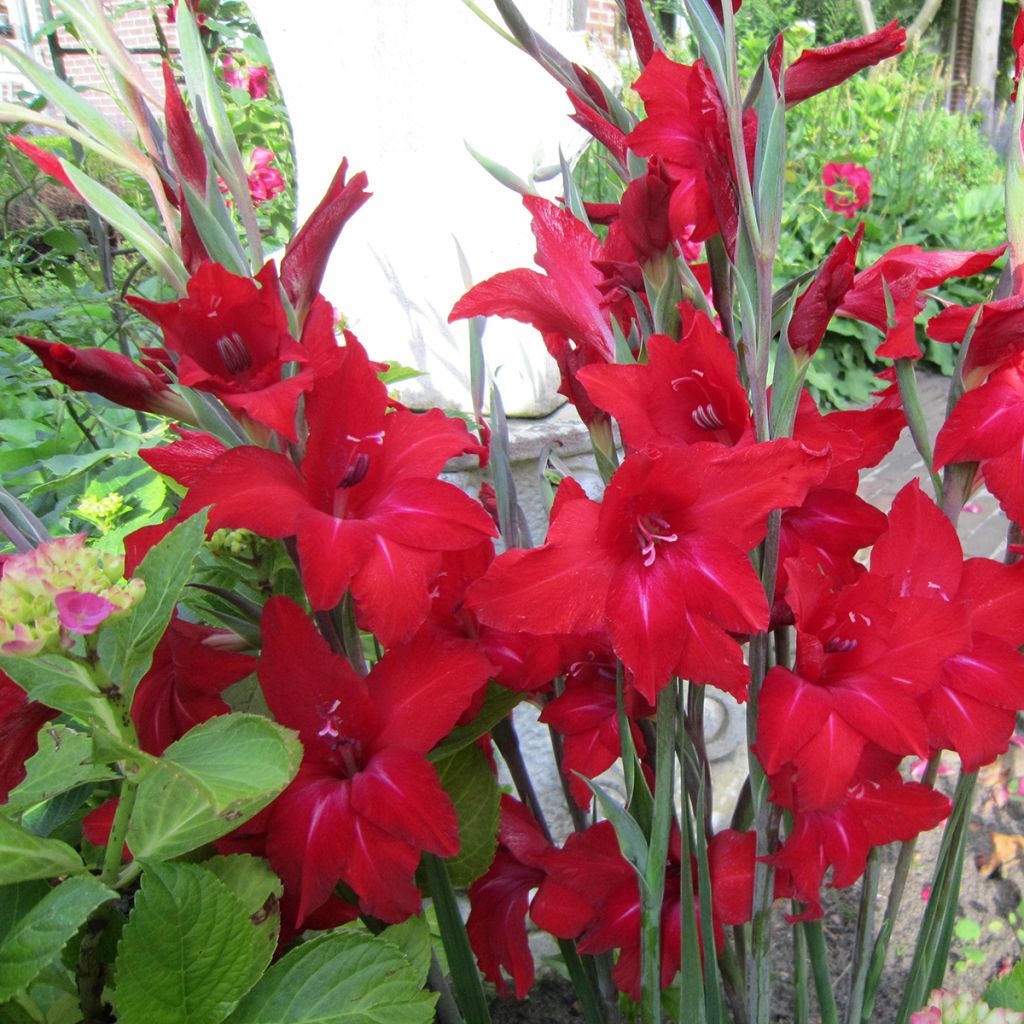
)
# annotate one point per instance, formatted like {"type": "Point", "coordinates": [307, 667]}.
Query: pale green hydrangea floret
{"type": "Point", "coordinates": [952, 1008]}
{"type": "Point", "coordinates": [102, 510]}
{"type": "Point", "coordinates": [233, 542]}
{"type": "Point", "coordinates": [32, 582]}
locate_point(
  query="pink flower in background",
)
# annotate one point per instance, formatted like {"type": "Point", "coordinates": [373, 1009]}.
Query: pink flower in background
{"type": "Point", "coordinates": [854, 191]}
{"type": "Point", "coordinates": [265, 181]}
{"type": "Point", "coordinates": [255, 80]}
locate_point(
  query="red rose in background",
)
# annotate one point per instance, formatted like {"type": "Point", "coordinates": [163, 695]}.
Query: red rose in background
{"type": "Point", "coordinates": [850, 178]}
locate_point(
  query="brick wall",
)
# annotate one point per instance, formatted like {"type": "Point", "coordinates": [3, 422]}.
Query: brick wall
{"type": "Point", "coordinates": [604, 23]}
{"type": "Point", "coordinates": [137, 32]}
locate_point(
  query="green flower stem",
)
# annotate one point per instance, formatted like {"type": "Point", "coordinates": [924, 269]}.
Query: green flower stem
{"type": "Point", "coordinates": [582, 983]}
{"type": "Point", "coordinates": [507, 741]}
{"type": "Point", "coordinates": [863, 942]}
{"type": "Point", "coordinates": [934, 936]}
{"type": "Point", "coordinates": [801, 995]}
{"type": "Point", "coordinates": [892, 908]}
{"type": "Point", "coordinates": [819, 966]}
{"type": "Point", "coordinates": [906, 378]}
{"type": "Point", "coordinates": [653, 889]}
{"type": "Point", "coordinates": [351, 640]}
{"type": "Point", "coordinates": [118, 831]}
{"type": "Point", "coordinates": [469, 988]}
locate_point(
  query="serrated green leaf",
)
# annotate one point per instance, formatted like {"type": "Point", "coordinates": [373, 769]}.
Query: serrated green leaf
{"type": "Point", "coordinates": [24, 856]}
{"type": "Point", "coordinates": [467, 778]}
{"type": "Point", "coordinates": [346, 977]}
{"type": "Point", "coordinates": [257, 887]}
{"type": "Point", "coordinates": [1007, 992]}
{"type": "Point", "coordinates": [38, 937]}
{"type": "Point", "coordinates": [413, 938]}
{"type": "Point", "coordinates": [189, 951]}
{"type": "Point", "coordinates": [62, 684]}
{"type": "Point", "coordinates": [126, 645]}
{"type": "Point", "coordinates": [63, 761]}
{"type": "Point", "coordinates": [209, 782]}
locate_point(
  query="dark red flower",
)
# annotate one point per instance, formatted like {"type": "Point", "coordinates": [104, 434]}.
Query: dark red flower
{"type": "Point", "coordinates": [184, 683]}
{"type": "Point", "coordinates": [814, 71]}
{"type": "Point", "coordinates": [661, 564]}
{"type": "Point", "coordinates": [365, 505]}
{"type": "Point", "coordinates": [109, 374]}
{"type": "Point", "coordinates": [20, 722]}
{"type": "Point", "coordinates": [231, 334]}
{"type": "Point", "coordinates": [822, 297]}
{"type": "Point", "coordinates": [305, 258]}
{"type": "Point", "coordinates": [907, 271]}
{"type": "Point", "coordinates": [996, 340]}
{"type": "Point", "coordinates": [366, 801]}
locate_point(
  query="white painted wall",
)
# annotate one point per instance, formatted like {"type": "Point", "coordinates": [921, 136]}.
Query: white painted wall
{"type": "Point", "coordinates": [398, 86]}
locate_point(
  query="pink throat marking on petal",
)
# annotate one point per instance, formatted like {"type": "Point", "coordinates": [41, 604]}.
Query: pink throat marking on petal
{"type": "Point", "coordinates": [706, 418]}
{"type": "Point", "coordinates": [345, 748]}
{"type": "Point", "coordinates": [837, 646]}
{"type": "Point", "coordinates": [233, 353]}
{"type": "Point", "coordinates": [650, 529]}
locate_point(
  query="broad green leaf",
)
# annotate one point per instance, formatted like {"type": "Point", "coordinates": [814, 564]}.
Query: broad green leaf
{"type": "Point", "coordinates": [498, 703]}
{"type": "Point", "coordinates": [209, 782]}
{"type": "Point", "coordinates": [189, 951]}
{"type": "Point", "coordinates": [38, 937]}
{"type": "Point", "coordinates": [113, 209]}
{"type": "Point", "coordinates": [467, 778]}
{"type": "Point", "coordinates": [413, 938]}
{"type": "Point", "coordinates": [258, 889]}
{"type": "Point", "coordinates": [64, 760]}
{"type": "Point", "coordinates": [62, 684]}
{"type": "Point", "coordinates": [127, 644]}
{"type": "Point", "coordinates": [17, 900]}
{"type": "Point", "coordinates": [1007, 992]}
{"type": "Point", "coordinates": [24, 856]}
{"type": "Point", "coordinates": [346, 977]}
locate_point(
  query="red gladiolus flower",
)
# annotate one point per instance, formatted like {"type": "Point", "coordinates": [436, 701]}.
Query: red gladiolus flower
{"type": "Point", "coordinates": [305, 258]}
{"type": "Point", "coordinates": [255, 80]}
{"type": "Point", "coordinates": [109, 374]}
{"type": "Point", "coordinates": [183, 685]}
{"type": "Point", "coordinates": [20, 722]}
{"type": "Point", "coordinates": [907, 271]}
{"type": "Point", "coordinates": [854, 179]}
{"type": "Point", "coordinates": [661, 565]}
{"type": "Point", "coordinates": [364, 504]}
{"type": "Point", "coordinates": [232, 336]}
{"type": "Point", "coordinates": [814, 71]}
{"type": "Point", "coordinates": [184, 142]}
{"type": "Point", "coordinates": [44, 160]}
{"type": "Point", "coordinates": [997, 338]}
{"type": "Point", "coordinates": [822, 297]}
{"type": "Point", "coordinates": [366, 801]}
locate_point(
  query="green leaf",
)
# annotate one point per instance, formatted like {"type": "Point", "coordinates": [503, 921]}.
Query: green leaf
{"type": "Point", "coordinates": [62, 684]}
{"type": "Point", "coordinates": [258, 889]}
{"type": "Point", "coordinates": [413, 938]}
{"type": "Point", "coordinates": [38, 936]}
{"type": "Point", "coordinates": [126, 645]}
{"type": "Point", "coordinates": [113, 209]}
{"type": "Point", "coordinates": [24, 856]}
{"type": "Point", "coordinates": [1007, 992]}
{"type": "Point", "coordinates": [63, 761]}
{"type": "Point", "coordinates": [65, 242]}
{"type": "Point", "coordinates": [209, 782]}
{"type": "Point", "coordinates": [467, 778]}
{"type": "Point", "coordinates": [498, 703]}
{"type": "Point", "coordinates": [189, 951]}
{"type": "Point", "coordinates": [632, 841]}
{"type": "Point", "coordinates": [346, 977]}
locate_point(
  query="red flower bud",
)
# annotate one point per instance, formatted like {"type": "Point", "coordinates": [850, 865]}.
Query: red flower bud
{"type": "Point", "coordinates": [110, 374]}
